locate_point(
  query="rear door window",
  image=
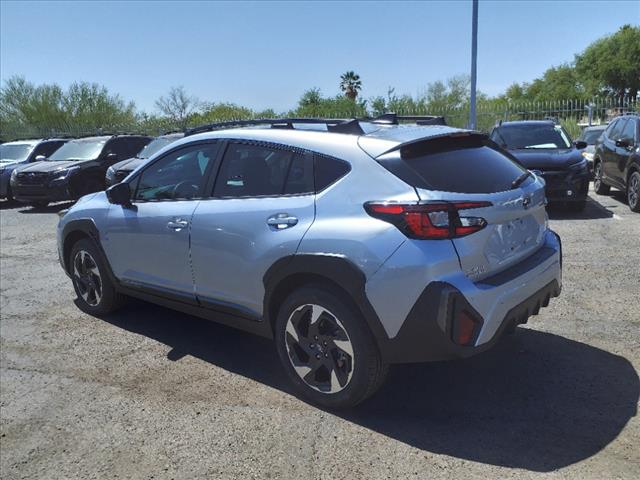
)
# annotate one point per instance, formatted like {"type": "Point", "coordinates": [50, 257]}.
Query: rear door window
{"type": "Point", "coordinates": [250, 170]}
{"type": "Point", "coordinates": [464, 165]}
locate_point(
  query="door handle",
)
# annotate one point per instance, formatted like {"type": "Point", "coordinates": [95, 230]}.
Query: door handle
{"type": "Point", "coordinates": [177, 224]}
{"type": "Point", "coordinates": [281, 221]}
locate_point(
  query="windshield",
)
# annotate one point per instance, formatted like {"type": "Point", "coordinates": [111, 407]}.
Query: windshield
{"type": "Point", "coordinates": [590, 136]}
{"type": "Point", "coordinates": [155, 145]}
{"type": "Point", "coordinates": [533, 136]}
{"type": "Point", "coordinates": [15, 152]}
{"type": "Point", "coordinates": [78, 150]}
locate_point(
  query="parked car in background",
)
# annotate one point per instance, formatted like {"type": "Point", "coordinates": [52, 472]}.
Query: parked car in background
{"type": "Point", "coordinates": [117, 172]}
{"type": "Point", "coordinates": [617, 159]}
{"type": "Point", "coordinates": [21, 152]}
{"type": "Point", "coordinates": [354, 246]}
{"type": "Point", "coordinates": [589, 136]}
{"type": "Point", "coordinates": [546, 147]}
{"type": "Point", "coordinates": [75, 169]}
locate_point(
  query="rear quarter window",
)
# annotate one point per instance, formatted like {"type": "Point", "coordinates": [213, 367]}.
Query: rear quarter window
{"type": "Point", "coordinates": [464, 165]}
{"type": "Point", "coordinates": [328, 170]}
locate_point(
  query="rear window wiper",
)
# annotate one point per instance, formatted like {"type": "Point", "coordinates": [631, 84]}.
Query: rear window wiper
{"type": "Point", "coordinates": [518, 181]}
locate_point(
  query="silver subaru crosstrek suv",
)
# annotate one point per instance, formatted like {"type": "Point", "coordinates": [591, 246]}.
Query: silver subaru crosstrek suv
{"type": "Point", "coordinates": [354, 244]}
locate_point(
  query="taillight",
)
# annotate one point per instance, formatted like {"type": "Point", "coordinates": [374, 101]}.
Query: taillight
{"type": "Point", "coordinates": [436, 220]}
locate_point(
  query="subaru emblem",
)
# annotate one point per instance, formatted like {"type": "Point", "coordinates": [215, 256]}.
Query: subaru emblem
{"type": "Point", "coordinates": [526, 202]}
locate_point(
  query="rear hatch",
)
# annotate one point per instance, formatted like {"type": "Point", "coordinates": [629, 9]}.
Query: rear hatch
{"type": "Point", "coordinates": [466, 167]}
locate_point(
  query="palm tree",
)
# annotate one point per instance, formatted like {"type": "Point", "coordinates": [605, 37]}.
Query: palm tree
{"type": "Point", "coordinates": [350, 84]}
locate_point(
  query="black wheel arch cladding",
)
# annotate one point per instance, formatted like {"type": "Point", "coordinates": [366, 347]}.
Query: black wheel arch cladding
{"type": "Point", "coordinates": [293, 271]}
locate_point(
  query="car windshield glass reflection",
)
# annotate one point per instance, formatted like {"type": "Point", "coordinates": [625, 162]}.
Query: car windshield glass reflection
{"type": "Point", "coordinates": [155, 146]}
{"type": "Point", "coordinates": [78, 150]}
{"type": "Point", "coordinates": [534, 136]}
{"type": "Point", "coordinates": [16, 152]}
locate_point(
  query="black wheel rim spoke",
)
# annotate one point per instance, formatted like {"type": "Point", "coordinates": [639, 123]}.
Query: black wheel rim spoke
{"type": "Point", "coordinates": [319, 348]}
{"type": "Point", "coordinates": [87, 278]}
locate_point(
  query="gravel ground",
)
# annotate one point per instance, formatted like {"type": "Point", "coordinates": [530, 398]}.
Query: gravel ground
{"type": "Point", "coordinates": [150, 393]}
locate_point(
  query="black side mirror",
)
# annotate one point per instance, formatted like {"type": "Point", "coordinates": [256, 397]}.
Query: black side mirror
{"type": "Point", "coordinates": [119, 194]}
{"type": "Point", "coordinates": [40, 158]}
{"type": "Point", "coordinates": [623, 142]}
{"type": "Point", "coordinates": [111, 157]}
{"type": "Point", "coordinates": [580, 144]}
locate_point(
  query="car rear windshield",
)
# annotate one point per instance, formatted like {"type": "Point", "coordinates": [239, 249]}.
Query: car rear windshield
{"type": "Point", "coordinates": [464, 165]}
{"type": "Point", "coordinates": [78, 150]}
{"type": "Point", "coordinates": [516, 137]}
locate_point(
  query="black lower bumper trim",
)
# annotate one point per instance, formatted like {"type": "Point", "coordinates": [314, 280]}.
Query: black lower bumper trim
{"type": "Point", "coordinates": [425, 335]}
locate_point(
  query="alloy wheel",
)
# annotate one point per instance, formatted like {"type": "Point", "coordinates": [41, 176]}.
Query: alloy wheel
{"type": "Point", "coordinates": [86, 276]}
{"type": "Point", "coordinates": [319, 348]}
{"type": "Point", "coordinates": [633, 190]}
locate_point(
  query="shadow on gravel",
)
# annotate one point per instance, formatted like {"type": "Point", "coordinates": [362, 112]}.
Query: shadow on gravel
{"type": "Point", "coordinates": [8, 204]}
{"type": "Point", "coordinates": [593, 210]}
{"type": "Point", "coordinates": [55, 208]}
{"type": "Point", "coordinates": [537, 401]}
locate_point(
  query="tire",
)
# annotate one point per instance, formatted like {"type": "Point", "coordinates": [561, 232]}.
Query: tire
{"type": "Point", "coordinates": [576, 206]}
{"type": "Point", "coordinates": [633, 191]}
{"type": "Point", "coordinates": [96, 293]}
{"type": "Point", "coordinates": [598, 185]}
{"type": "Point", "coordinates": [38, 205]}
{"type": "Point", "coordinates": [339, 376]}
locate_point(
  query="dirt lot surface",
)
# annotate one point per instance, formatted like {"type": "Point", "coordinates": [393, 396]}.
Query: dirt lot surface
{"type": "Point", "coordinates": [150, 393]}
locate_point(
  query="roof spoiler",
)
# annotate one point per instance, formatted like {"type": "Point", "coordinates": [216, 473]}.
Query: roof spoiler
{"type": "Point", "coordinates": [454, 134]}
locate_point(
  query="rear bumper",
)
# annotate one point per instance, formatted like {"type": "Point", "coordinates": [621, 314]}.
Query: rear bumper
{"type": "Point", "coordinates": [500, 301]}
{"type": "Point", "coordinates": [427, 337]}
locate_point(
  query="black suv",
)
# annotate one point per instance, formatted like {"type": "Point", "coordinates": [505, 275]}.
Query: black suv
{"type": "Point", "coordinates": [118, 172]}
{"type": "Point", "coordinates": [75, 169]}
{"type": "Point", "coordinates": [16, 154]}
{"type": "Point", "coordinates": [544, 146]}
{"type": "Point", "coordinates": [616, 161]}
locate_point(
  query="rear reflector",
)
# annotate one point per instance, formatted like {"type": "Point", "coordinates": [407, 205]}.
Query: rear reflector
{"type": "Point", "coordinates": [435, 221]}
{"type": "Point", "coordinates": [465, 328]}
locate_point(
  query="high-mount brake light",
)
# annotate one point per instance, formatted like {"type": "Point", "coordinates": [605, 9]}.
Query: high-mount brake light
{"type": "Point", "coordinates": [429, 221]}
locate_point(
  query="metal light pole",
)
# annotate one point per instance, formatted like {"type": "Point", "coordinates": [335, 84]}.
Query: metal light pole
{"type": "Point", "coordinates": [474, 58]}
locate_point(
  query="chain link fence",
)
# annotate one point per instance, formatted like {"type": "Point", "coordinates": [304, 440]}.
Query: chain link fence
{"type": "Point", "coordinates": [572, 114]}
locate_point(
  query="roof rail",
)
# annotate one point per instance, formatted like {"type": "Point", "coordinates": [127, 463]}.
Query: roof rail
{"type": "Point", "coordinates": [632, 113]}
{"type": "Point", "coordinates": [336, 125]}
{"type": "Point", "coordinates": [395, 119]}
{"type": "Point", "coordinates": [274, 122]}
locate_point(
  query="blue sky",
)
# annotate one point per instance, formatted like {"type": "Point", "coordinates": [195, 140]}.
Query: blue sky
{"type": "Point", "coordinates": [266, 54]}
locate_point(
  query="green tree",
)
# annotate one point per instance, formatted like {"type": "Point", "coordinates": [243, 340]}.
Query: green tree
{"type": "Point", "coordinates": [350, 84]}
{"type": "Point", "coordinates": [30, 110]}
{"type": "Point", "coordinates": [611, 65]}
{"type": "Point", "coordinates": [557, 83]}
